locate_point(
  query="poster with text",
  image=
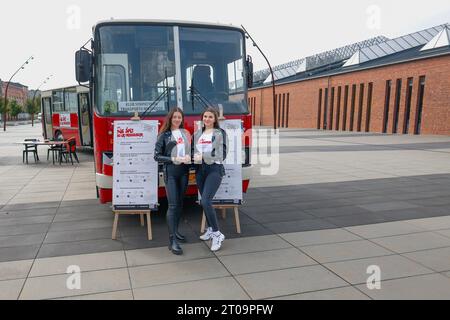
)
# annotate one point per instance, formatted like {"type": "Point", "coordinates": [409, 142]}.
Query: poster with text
{"type": "Point", "coordinates": [135, 173]}
{"type": "Point", "coordinates": [230, 191]}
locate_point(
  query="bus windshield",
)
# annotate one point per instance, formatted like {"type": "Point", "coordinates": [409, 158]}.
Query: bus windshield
{"type": "Point", "coordinates": [165, 66]}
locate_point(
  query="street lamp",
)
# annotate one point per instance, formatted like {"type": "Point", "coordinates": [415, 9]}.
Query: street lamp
{"type": "Point", "coordinates": [34, 95]}
{"type": "Point", "coordinates": [6, 90]}
{"type": "Point", "coordinates": [274, 97]}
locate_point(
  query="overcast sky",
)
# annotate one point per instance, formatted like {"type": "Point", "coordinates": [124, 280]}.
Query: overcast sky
{"type": "Point", "coordinates": [285, 29]}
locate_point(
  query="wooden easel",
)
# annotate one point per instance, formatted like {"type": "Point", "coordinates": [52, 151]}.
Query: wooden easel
{"type": "Point", "coordinates": [223, 209]}
{"type": "Point", "coordinates": [147, 213]}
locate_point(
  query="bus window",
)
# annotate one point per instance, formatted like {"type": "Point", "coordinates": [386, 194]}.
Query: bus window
{"type": "Point", "coordinates": [70, 100]}
{"type": "Point", "coordinates": [58, 101]}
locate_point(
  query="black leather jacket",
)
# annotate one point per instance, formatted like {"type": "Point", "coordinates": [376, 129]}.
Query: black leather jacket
{"type": "Point", "coordinates": [165, 145]}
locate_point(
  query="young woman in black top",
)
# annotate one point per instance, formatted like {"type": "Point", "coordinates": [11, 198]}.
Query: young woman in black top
{"type": "Point", "coordinates": [173, 149]}
{"type": "Point", "coordinates": [210, 152]}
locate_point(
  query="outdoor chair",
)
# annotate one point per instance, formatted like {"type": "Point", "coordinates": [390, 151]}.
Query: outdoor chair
{"type": "Point", "coordinates": [55, 150]}
{"type": "Point", "coordinates": [30, 148]}
{"type": "Point", "coordinates": [69, 151]}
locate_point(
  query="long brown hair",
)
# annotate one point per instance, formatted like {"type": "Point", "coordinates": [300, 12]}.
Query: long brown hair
{"type": "Point", "coordinates": [216, 116]}
{"type": "Point", "coordinates": [168, 122]}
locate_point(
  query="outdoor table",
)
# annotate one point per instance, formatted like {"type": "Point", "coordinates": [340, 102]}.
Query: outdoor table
{"type": "Point", "coordinates": [49, 143]}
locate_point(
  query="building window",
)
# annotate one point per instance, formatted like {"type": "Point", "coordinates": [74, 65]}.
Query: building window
{"type": "Point", "coordinates": [352, 111]}
{"type": "Point", "coordinates": [279, 110]}
{"type": "Point", "coordinates": [287, 110]}
{"type": "Point", "coordinates": [409, 90]}
{"type": "Point", "coordinates": [369, 106]}
{"type": "Point", "coordinates": [344, 117]}
{"type": "Point", "coordinates": [331, 109]}
{"type": "Point", "coordinates": [387, 102]}
{"type": "Point", "coordinates": [419, 112]}
{"type": "Point", "coordinates": [398, 91]}
{"type": "Point", "coordinates": [325, 110]}
{"type": "Point", "coordinates": [283, 123]}
{"type": "Point", "coordinates": [319, 109]}
{"type": "Point", "coordinates": [360, 107]}
{"type": "Point", "coordinates": [338, 111]}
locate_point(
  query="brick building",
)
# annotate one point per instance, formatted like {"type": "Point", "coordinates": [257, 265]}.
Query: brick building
{"type": "Point", "coordinates": [16, 91]}
{"type": "Point", "coordinates": [381, 85]}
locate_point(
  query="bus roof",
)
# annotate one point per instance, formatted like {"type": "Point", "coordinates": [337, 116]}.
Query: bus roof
{"type": "Point", "coordinates": [78, 88]}
{"type": "Point", "coordinates": [167, 22]}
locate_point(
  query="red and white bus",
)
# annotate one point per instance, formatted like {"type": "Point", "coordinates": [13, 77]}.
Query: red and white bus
{"type": "Point", "coordinates": [134, 64]}
{"type": "Point", "coordinates": [66, 114]}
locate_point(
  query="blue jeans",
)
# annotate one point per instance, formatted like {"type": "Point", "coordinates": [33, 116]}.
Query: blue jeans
{"type": "Point", "coordinates": [176, 178]}
{"type": "Point", "coordinates": [209, 179]}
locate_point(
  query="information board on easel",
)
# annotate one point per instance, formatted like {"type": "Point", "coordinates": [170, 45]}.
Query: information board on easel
{"type": "Point", "coordinates": [135, 173]}
{"type": "Point", "coordinates": [230, 193]}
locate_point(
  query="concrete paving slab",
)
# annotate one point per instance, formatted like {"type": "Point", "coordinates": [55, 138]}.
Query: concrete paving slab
{"type": "Point", "coordinates": [225, 288]}
{"type": "Point", "coordinates": [9, 214]}
{"type": "Point", "coordinates": [162, 255]}
{"type": "Point", "coordinates": [413, 242]}
{"type": "Point", "coordinates": [445, 233]}
{"type": "Point", "coordinates": [78, 235]}
{"type": "Point", "coordinates": [265, 261]}
{"type": "Point", "coordinates": [436, 259]}
{"type": "Point", "coordinates": [252, 244]}
{"type": "Point", "coordinates": [345, 251]}
{"type": "Point", "coordinates": [308, 238]}
{"type": "Point", "coordinates": [169, 273]}
{"type": "Point", "coordinates": [18, 253]}
{"type": "Point", "coordinates": [79, 247]}
{"type": "Point", "coordinates": [21, 240]}
{"type": "Point", "coordinates": [386, 206]}
{"type": "Point", "coordinates": [24, 229]}
{"type": "Point", "coordinates": [270, 284]}
{"type": "Point", "coordinates": [426, 287]}
{"type": "Point", "coordinates": [15, 269]}
{"type": "Point", "coordinates": [5, 221]}
{"type": "Point", "coordinates": [115, 295]}
{"type": "Point", "coordinates": [433, 223]}
{"type": "Point", "coordinates": [298, 226]}
{"type": "Point", "coordinates": [86, 262]}
{"type": "Point", "coordinates": [392, 267]}
{"type": "Point", "coordinates": [384, 229]}
{"type": "Point", "coordinates": [55, 286]}
{"type": "Point", "coordinates": [345, 293]}
{"type": "Point", "coordinates": [10, 289]}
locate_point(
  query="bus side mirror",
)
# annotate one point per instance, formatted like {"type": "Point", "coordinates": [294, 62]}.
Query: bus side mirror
{"type": "Point", "coordinates": [249, 63]}
{"type": "Point", "coordinates": [83, 65]}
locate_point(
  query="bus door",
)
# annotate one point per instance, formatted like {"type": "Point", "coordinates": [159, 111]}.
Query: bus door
{"type": "Point", "coordinates": [47, 118]}
{"type": "Point", "coordinates": [84, 117]}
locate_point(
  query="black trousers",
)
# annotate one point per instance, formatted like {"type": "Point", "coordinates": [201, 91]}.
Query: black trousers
{"type": "Point", "coordinates": [176, 178]}
{"type": "Point", "coordinates": [209, 179]}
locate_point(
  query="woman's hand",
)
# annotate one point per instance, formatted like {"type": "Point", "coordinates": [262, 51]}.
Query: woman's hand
{"type": "Point", "coordinates": [182, 160]}
{"type": "Point", "coordinates": [198, 158]}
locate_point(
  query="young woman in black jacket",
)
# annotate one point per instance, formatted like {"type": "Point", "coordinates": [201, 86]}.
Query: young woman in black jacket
{"type": "Point", "coordinates": [209, 155]}
{"type": "Point", "coordinates": [173, 149]}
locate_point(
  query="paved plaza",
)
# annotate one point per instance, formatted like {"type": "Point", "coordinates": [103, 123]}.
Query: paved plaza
{"type": "Point", "coordinates": [340, 203]}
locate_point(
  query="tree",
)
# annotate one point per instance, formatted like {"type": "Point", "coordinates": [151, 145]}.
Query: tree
{"type": "Point", "coordinates": [15, 109]}
{"type": "Point", "coordinates": [3, 112]}
{"type": "Point", "coordinates": [33, 107]}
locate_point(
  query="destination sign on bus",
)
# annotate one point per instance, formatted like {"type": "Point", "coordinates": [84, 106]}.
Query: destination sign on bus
{"type": "Point", "coordinates": [141, 106]}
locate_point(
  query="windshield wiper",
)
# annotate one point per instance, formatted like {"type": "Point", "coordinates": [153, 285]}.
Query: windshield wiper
{"type": "Point", "coordinates": [195, 94]}
{"type": "Point", "coordinates": [155, 103]}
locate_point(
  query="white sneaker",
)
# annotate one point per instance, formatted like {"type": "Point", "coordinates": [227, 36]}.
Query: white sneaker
{"type": "Point", "coordinates": [208, 235]}
{"type": "Point", "coordinates": [217, 239]}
